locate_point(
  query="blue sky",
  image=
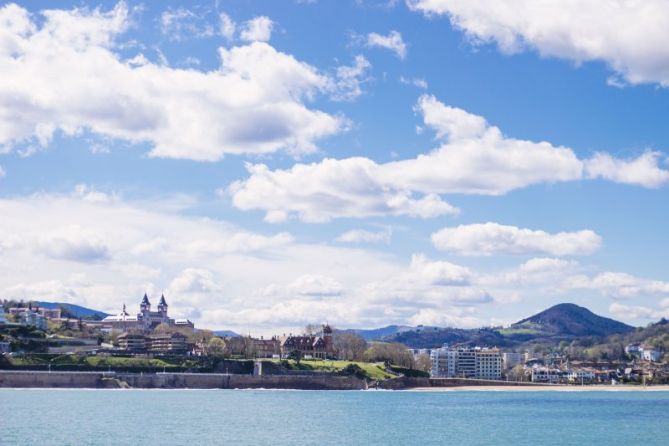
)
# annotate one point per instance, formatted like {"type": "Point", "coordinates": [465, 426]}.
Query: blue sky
{"type": "Point", "coordinates": [269, 164]}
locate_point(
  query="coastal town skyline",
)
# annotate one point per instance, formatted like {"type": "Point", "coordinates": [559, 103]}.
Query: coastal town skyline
{"type": "Point", "coordinates": [364, 163]}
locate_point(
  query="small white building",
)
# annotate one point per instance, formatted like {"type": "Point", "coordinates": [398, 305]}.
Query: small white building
{"type": "Point", "coordinates": [651, 354]}
{"type": "Point", "coordinates": [547, 375]}
{"type": "Point", "coordinates": [581, 376]}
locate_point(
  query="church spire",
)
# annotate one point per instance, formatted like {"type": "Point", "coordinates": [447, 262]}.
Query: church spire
{"type": "Point", "coordinates": [145, 305]}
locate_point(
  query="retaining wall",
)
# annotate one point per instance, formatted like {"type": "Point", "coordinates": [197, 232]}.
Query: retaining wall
{"type": "Point", "coordinates": [176, 381]}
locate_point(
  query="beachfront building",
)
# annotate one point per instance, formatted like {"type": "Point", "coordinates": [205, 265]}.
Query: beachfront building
{"type": "Point", "coordinates": [651, 354]}
{"type": "Point", "coordinates": [309, 346]}
{"type": "Point", "coordinates": [145, 320]}
{"type": "Point", "coordinates": [511, 359]}
{"type": "Point", "coordinates": [465, 362]}
{"type": "Point", "coordinates": [581, 376]}
{"type": "Point", "coordinates": [134, 342]}
{"type": "Point", "coordinates": [541, 374]}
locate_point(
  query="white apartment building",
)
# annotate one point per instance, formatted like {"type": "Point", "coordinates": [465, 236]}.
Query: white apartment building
{"type": "Point", "coordinates": [477, 362]}
{"type": "Point", "coordinates": [511, 359]}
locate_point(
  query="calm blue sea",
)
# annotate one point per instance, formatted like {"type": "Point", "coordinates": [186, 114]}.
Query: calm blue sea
{"type": "Point", "coordinates": [258, 417]}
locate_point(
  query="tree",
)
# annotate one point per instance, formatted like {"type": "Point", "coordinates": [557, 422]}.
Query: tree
{"type": "Point", "coordinates": [423, 362]}
{"type": "Point", "coordinates": [349, 346]}
{"type": "Point", "coordinates": [296, 355]}
{"type": "Point", "coordinates": [517, 373]}
{"type": "Point", "coordinates": [393, 352]}
{"type": "Point", "coordinates": [215, 347]}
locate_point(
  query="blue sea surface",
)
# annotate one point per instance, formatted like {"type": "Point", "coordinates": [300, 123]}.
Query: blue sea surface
{"type": "Point", "coordinates": [265, 417]}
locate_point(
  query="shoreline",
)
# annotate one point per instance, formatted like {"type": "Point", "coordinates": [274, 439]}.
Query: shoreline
{"type": "Point", "coordinates": [544, 388]}
{"type": "Point", "coordinates": [113, 380]}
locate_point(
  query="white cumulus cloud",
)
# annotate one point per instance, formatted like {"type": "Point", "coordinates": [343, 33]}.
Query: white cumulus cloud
{"type": "Point", "coordinates": [393, 42]}
{"type": "Point", "coordinates": [182, 23]}
{"type": "Point", "coordinates": [474, 158]}
{"type": "Point", "coordinates": [62, 73]}
{"type": "Point", "coordinates": [364, 236]}
{"type": "Point", "coordinates": [258, 29]}
{"type": "Point", "coordinates": [618, 285]}
{"type": "Point", "coordinates": [629, 36]}
{"type": "Point", "coordinates": [227, 26]}
{"type": "Point", "coordinates": [329, 189]}
{"type": "Point", "coordinates": [643, 170]}
{"type": "Point", "coordinates": [73, 243]}
{"type": "Point", "coordinates": [483, 239]}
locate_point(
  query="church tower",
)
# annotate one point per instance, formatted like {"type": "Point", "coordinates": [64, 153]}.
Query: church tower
{"type": "Point", "coordinates": [327, 339]}
{"type": "Point", "coordinates": [145, 306]}
{"type": "Point", "coordinates": [162, 307]}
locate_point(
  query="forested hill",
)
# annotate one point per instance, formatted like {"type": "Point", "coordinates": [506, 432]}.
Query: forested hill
{"type": "Point", "coordinates": [558, 323]}
{"type": "Point", "coordinates": [572, 320]}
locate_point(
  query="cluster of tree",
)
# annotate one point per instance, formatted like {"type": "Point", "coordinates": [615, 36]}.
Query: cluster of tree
{"type": "Point", "coordinates": [391, 352]}
{"type": "Point", "coordinates": [349, 346]}
{"type": "Point", "coordinates": [237, 347]}
{"type": "Point", "coordinates": [609, 348]}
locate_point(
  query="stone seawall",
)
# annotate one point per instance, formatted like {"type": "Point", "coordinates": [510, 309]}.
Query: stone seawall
{"type": "Point", "coordinates": [98, 380]}
{"type": "Point", "coordinates": [412, 383]}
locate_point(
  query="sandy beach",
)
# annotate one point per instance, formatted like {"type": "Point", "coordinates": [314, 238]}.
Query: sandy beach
{"type": "Point", "coordinates": [605, 388]}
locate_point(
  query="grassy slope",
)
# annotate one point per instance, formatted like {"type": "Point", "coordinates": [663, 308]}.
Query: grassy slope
{"type": "Point", "coordinates": [372, 370]}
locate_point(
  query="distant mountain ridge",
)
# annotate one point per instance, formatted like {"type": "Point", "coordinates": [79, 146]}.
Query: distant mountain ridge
{"type": "Point", "coordinates": [572, 320]}
{"type": "Point", "coordinates": [373, 334]}
{"type": "Point", "coordinates": [75, 311]}
{"type": "Point", "coordinates": [226, 333]}
{"type": "Point", "coordinates": [561, 322]}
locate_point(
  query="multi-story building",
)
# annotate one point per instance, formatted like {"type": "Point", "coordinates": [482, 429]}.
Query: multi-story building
{"type": "Point", "coordinates": [488, 364]}
{"type": "Point", "coordinates": [477, 362]}
{"type": "Point", "coordinates": [132, 342]}
{"type": "Point", "coordinates": [511, 359]}
{"type": "Point", "coordinates": [266, 348]}
{"type": "Point", "coordinates": [167, 343]}
{"type": "Point", "coordinates": [444, 362]}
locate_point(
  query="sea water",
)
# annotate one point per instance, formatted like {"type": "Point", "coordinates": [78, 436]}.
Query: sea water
{"type": "Point", "coordinates": [265, 417]}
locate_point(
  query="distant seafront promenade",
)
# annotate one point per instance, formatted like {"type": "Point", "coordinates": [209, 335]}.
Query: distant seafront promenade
{"type": "Point", "coordinates": [113, 380]}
